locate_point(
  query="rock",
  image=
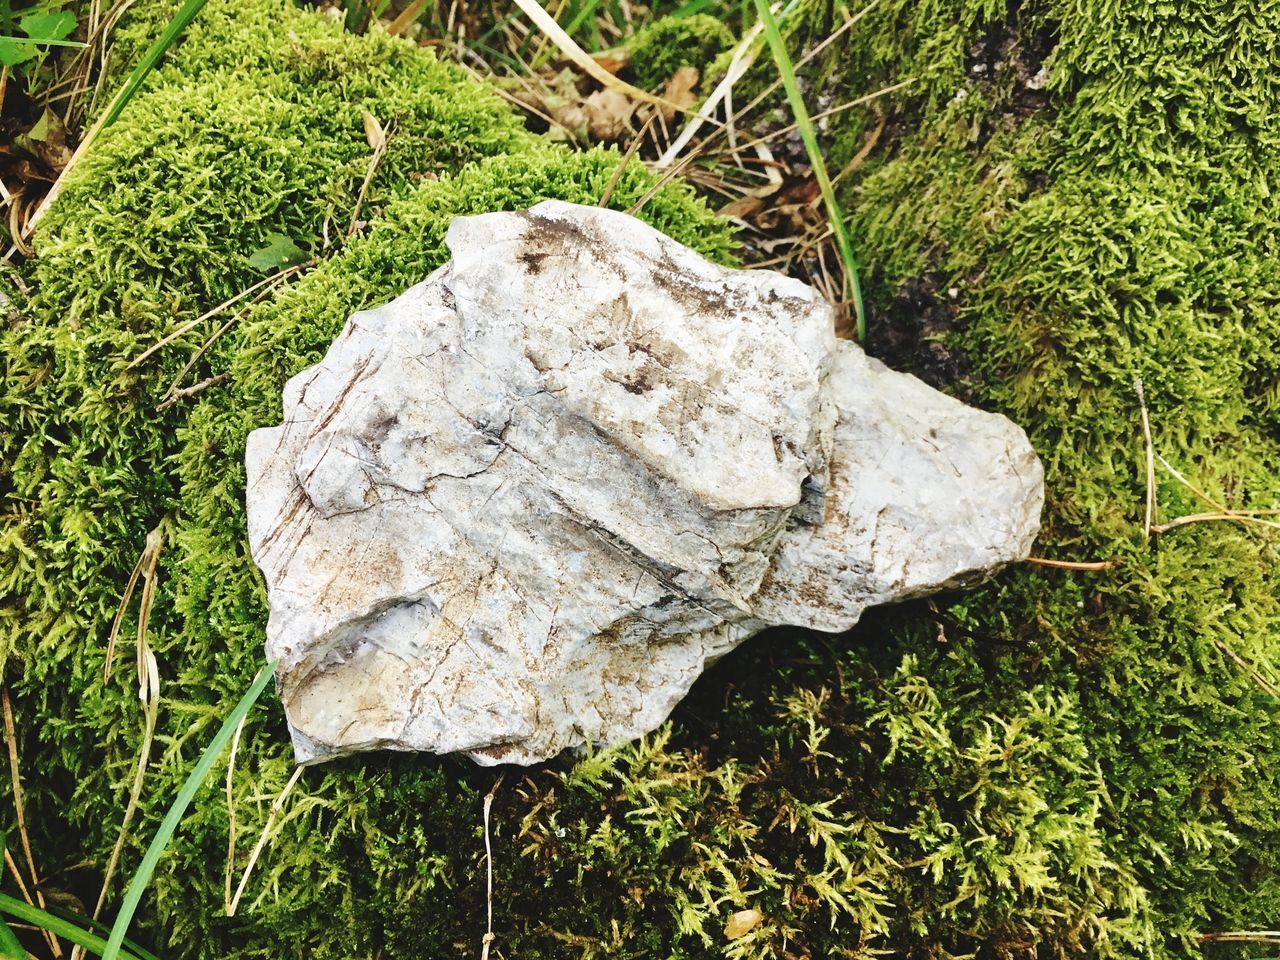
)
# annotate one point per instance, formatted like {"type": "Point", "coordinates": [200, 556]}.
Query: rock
{"type": "Point", "coordinates": [523, 506]}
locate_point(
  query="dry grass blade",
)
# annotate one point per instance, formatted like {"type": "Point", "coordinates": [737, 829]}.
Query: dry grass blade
{"type": "Point", "coordinates": [406, 17]}
{"type": "Point", "coordinates": [20, 812]}
{"type": "Point", "coordinates": [231, 817]}
{"type": "Point", "coordinates": [186, 13]}
{"type": "Point", "coordinates": [164, 833]}
{"type": "Point", "coordinates": [17, 876]}
{"type": "Point", "coordinates": [616, 177]}
{"type": "Point", "coordinates": [667, 175]}
{"type": "Point", "coordinates": [78, 71]}
{"type": "Point", "coordinates": [149, 694]}
{"type": "Point", "coordinates": [543, 20]}
{"type": "Point", "coordinates": [1076, 564]}
{"type": "Point", "coordinates": [1150, 509]}
{"type": "Point", "coordinates": [487, 941]}
{"type": "Point", "coordinates": [1241, 936]}
{"type": "Point", "coordinates": [145, 567]}
{"type": "Point", "coordinates": [717, 95]}
{"type": "Point", "coordinates": [378, 139]}
{"type": "Point", "coordinates": [276, 806]}
{"type": "Point", "coordinates": [114, 632]}
{"type": "Point", "coordinates": [864, 151]}
{"type": "Point", "coordinates": [1234, 517]}
{"type": "Point", "coordinates": [1224, 513]}
{"type": "Point", "coordinates": [860, 101]}
{"type": "Point", "coordinates": [744, 55]}
{"type": "Point", "coordinates": [515, 101]}
{"type": "Point", "coordinates": [148, 672]}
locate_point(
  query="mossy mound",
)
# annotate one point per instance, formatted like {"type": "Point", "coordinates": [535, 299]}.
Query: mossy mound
{"type": "Point", "coordinates": [664, 46]}
{"type": "Point", "coordinates": [1061, 763]}
{"type": "Point", "coordinates": [1068, 199]}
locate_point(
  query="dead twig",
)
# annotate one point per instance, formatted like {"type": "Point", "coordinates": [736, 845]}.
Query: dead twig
{"type": "Point", "coordinates": [191, 391]}
{"type": "Point", "coordinates": [171, 391]}
{"type": "Point", "coordinates": [192, 324]}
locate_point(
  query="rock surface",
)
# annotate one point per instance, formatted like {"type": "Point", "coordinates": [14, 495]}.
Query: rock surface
{"type": "Point", "coordinates": [524, 505]}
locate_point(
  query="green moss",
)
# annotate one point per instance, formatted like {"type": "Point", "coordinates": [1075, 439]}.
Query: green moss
{"type": "Point", "coordinates": [254, 127]}
{"type": "Point", "coordinates": [1057, 764]}
{"type": "Point", "coordinates": [1074, 238]}
{"type": "Point", "coordinates": [664, 46]}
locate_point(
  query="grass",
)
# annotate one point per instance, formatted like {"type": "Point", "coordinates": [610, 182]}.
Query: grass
{"type": "Point", "coordinates": [844, 243]}
{"type": "Point", "coordinates": [114, 947]}
{"type": "Point", "coordinates": [69, 931]}
{"type": "Point", "coordinates": [172, 31]}
{"type": "Point", "coordinates": [164, 833]}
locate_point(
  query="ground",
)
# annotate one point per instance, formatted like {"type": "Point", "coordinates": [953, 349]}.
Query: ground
{"type": "Point", "coordinates": [1066, 198]}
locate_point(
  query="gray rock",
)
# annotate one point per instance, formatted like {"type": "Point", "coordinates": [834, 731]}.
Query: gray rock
{"type": "Point", "coordinates": [523, 506]}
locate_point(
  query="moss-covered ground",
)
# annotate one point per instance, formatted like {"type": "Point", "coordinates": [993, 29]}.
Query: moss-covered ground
{"type": "Point", "coordinates": [1069, 196]}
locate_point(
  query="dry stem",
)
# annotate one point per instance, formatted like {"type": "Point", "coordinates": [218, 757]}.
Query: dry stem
{"type": "Point", "coordinates": [54, 946]}
{"type": "Point", "coordinates": [276, 806]}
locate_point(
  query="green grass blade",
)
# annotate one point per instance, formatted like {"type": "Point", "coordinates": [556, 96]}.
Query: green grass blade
{"type": "Point", "coordinates": [843, 243]}
{"type": "Point", "coordinates": [20, 910]}
{"type": "Point", "coordinates": [47, 43]}
{"type": "Point", "coordinates": [194, 780]}
{"type": "Point", "coordinates": [180, 20]}
{"type": "Point", "coordinates": [97, 926]}
{"type": "Point", "coordinates": [10, 947]}
{"type": "Point", "coordinates": [587, 10]}
{"type": "Point", "coordinates": [690, 8]}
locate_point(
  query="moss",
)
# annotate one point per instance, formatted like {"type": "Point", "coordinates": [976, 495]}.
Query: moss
{"type": "Point", "coordinates": [1057, 764]}
{"type": "Point", "coordinates": [1079, 197]}
{"type": "Point", "coordinates": [254, 127]}
{"type": "Point", "coordinates": [664, 46]}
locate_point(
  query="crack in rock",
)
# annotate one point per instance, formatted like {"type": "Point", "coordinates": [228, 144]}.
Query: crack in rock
{"type": "Point", "coordinates": [620, 462]}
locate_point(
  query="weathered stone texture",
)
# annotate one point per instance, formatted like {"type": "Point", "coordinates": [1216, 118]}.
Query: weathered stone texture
{"type": "Point", "coordinates": [523, 505]}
